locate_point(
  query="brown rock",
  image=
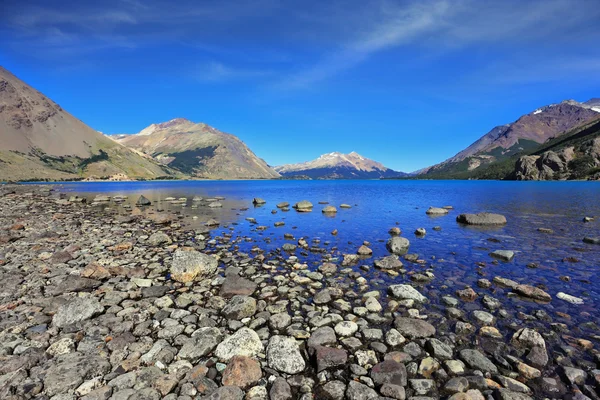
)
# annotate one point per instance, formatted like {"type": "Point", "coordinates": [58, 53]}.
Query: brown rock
{"type": "Point", "coordinates": [95, 271]}
{"type": "Point", "coordinates": [242, 371]}
{"type": "Point", "coordinates": [467, 294]}
{"type": "Point", "coordinates": [532, 292]}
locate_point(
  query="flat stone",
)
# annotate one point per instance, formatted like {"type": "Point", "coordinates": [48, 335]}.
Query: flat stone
{"type": "Point", "coordinates": [236, 285]}
{"type": "Point", "coordinates": [389, 371]}
{"type": "Point", "coordinates": [569, 298]}
{"type": "Point", "coordinates": [404, 292]}
{"type": "Point", "coordinates": [532, 292]}
{"type": "Point", "coordinates": [414, 328]}
{"type": "Point", "coordinates": [481, 219]}
{"type": "Point", "coordinates": [77, 310]}
{"type": "Point", "coordinates": [477, 361]}
{"type": "Point", "coordinates": [504, 255]}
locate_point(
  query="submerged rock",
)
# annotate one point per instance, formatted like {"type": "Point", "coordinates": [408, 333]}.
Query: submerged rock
{"type": "Point", "coordinates": [143, 201]}
{"type": "Point", "coordinates": [504, 255]}
{"type": "Point", "coordinates": [436, 211]}
{"type": "Point", "coordinates": [481, 219]}
{"type": "Point", "coordinates": [568, 298]}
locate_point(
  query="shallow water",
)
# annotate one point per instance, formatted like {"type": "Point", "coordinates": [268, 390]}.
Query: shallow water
{"type": "Point", "coordinates": [451, 254]}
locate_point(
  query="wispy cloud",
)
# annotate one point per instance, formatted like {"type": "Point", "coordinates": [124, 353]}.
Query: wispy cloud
{"type": "Point", "coordinates": [218, 72]}
{"type": "Point", "coordinates": [441, 26]}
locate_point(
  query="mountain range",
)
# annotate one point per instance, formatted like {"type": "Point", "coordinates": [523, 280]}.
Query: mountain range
{"type": "Point", "coordinates": [41, 141]}
{"type": "Point", "coordinates": [198, 150]}
{"type": "Point", "coordinates": [503, 145]}
{"type": "Point", "coordinates": [338, 166]}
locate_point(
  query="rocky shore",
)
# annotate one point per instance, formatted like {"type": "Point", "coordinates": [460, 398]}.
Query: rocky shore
{"type": "Point", "coordinates": [98, 304]}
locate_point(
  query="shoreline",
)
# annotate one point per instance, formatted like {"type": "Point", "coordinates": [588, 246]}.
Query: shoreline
{"type": "Point", "coordinates": [101, 303]}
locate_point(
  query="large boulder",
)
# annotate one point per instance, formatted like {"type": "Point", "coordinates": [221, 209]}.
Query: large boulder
{"type": "Point", "coordinates": [481, 219]}
{"type": "Point", "coordinates": [398, 245]}
{"type": "Point", "coordinates": [526, 168]}
{"type": "Point", "coordinates": [189, 265]}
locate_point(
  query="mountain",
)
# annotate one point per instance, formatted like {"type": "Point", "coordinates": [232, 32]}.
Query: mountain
{"type": "Point", "coordinates": [524, 135]}
{"type": "Point", "coordinates": [40, 140]}
{"type": "Point", "coordinates": [574, 155]}
{"type": "Point", "coordinates": [339, 166]}
{"type": "Point", "coordinates": [199, 150]}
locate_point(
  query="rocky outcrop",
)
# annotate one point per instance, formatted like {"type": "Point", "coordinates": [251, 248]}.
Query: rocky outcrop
{"type": "Point", "coordinates": [567, 163]}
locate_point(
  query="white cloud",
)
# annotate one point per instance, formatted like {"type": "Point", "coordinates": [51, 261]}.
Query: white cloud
{"type": "Point", "coordinates": [218, 72]}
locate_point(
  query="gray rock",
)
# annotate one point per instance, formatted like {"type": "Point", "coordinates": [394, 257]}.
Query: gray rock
{"type": "Point", "coordinates": [143, 201]}
{"type": "Point", "coordinates": [244, 342]}
{"type": "Point", "coordinates": [280, 390]}
{"type": "Point", "coordinates": [406, 292]}
{"type": "Point", "coordinates": [436, 211]}
{"type": "Point", "coordinates": [239, 307]}
{"type": "Point", "coordinates": [475, 360]}
{"type": "Point", "coordinates": [398, 245]}
{"type": "Point", "coordinates": [481, 219]}
{"type": "Point", "coordinates": [303, 206]}
{"type": "Point", "coordinates": [358, 391]}
{"type": "Point", "coordinates": [389, 262]}
{"type": "Point", "coordinates": [257, 201]}
{"type": "Point", "coordinates": [504, 255]}
{"type": "Point", "coordinates": [77, 310]}
{"type": "Point", "coordinates": [333, 390]}
{"type": "Point", "coordinates": [202, 343]}
{"type": "Point", "coordinates": [322, 337]}
{"type": "Point", "coordinates": [389, 371]}
{"type": "Point", "coordinates": [438, 349]}
{"type": "Point", "coordinates": [159, 238]}
{"type": "Point", "coordinates": [414, 328]}
{"type": "Point", "coordinates": [505, 394]}
{"type": "Point", "coordinates": [227, 393]}
{"type": "Point", "coordinates": [188, 266]}
{"type": "Point", "coordinates": [591, 240]}
{"type": "Point", "coordinates": [569, 299]}
{"type": "Point", "coordinates": [283, 354]}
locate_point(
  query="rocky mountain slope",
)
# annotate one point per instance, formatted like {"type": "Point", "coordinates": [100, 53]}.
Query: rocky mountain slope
{"type": "Point", "coordinates": [40, 140]}
{"type": "Point", "coordinates": [575, 155]}
{"type": "Point", "coordinates": [523, 135]}
{"type": "Point", "coordinates": [339, 166]}
{"type": "Point", "coordinates": [199, 150]}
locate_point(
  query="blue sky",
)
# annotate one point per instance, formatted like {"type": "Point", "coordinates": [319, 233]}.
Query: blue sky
{"type": "Point", "coordinates": [408, 83]}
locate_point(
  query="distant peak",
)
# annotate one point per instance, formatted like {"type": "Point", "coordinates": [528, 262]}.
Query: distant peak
{"type": "Point", "coordinates": [173, 122]}
{"type": "Point", "coordinates": [164, 125]}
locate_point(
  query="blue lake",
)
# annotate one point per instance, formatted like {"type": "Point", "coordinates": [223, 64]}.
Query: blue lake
{"type": "Point", "coordinates": [457, 255]}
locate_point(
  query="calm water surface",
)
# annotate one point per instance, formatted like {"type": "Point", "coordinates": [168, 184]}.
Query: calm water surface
{"type": "Point", "coordinates": [457, 255]}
